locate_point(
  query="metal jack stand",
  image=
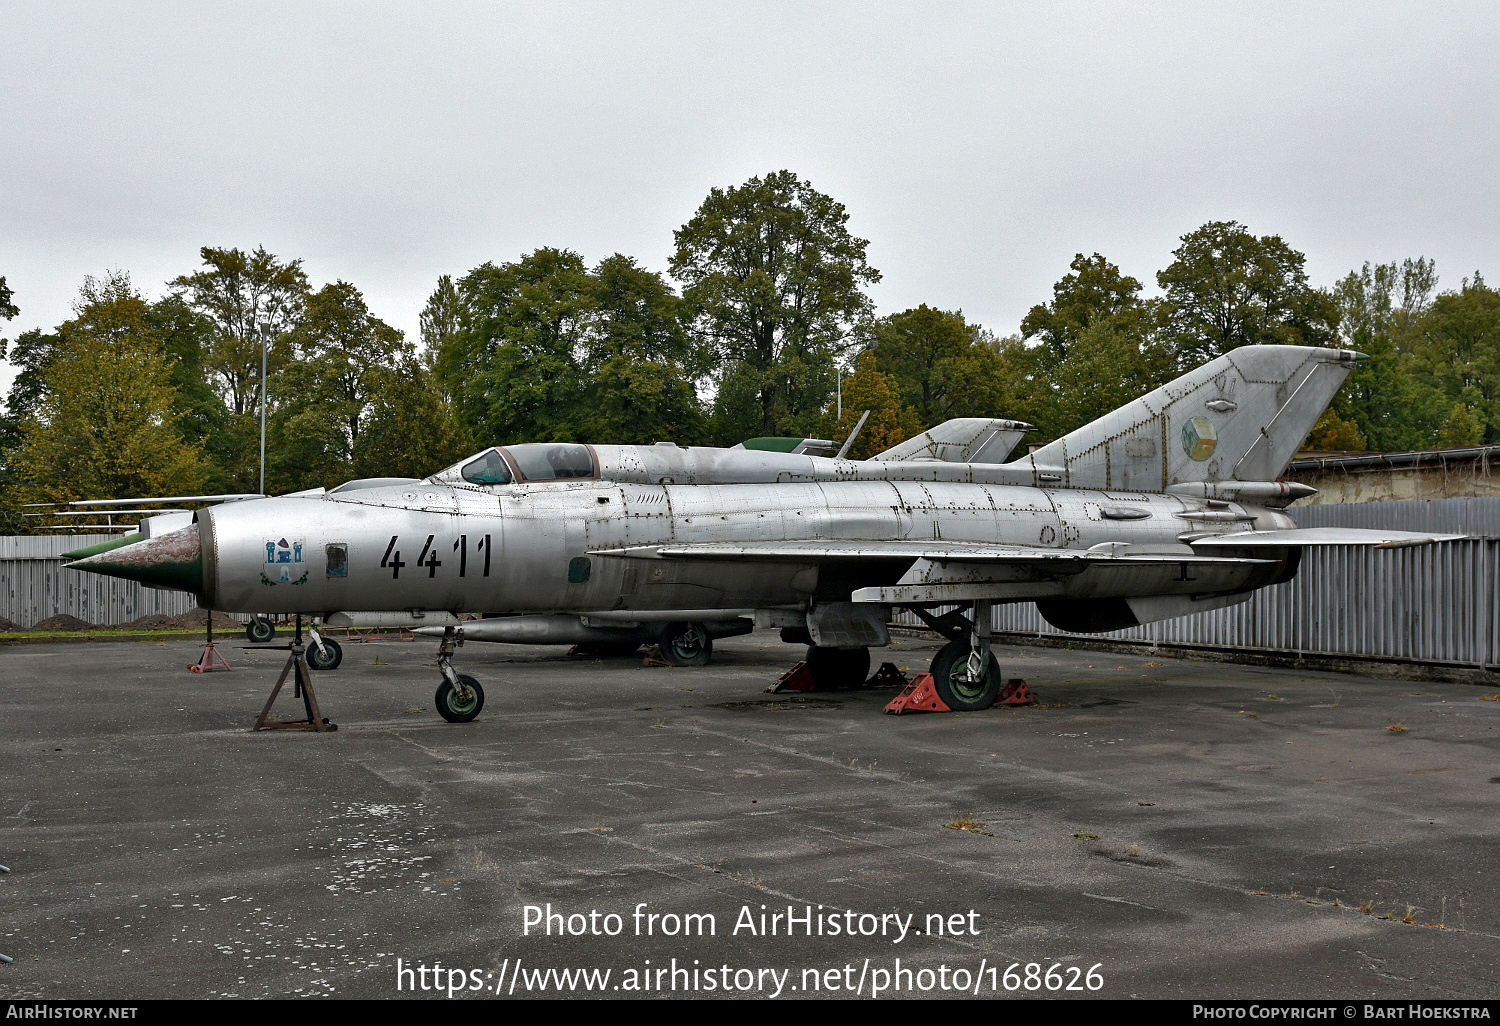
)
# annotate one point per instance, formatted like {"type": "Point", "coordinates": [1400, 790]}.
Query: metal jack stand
{"type": "Point", "coordinates": [212, 659]}
{"type": "Point", "coordinates": [296, 664]}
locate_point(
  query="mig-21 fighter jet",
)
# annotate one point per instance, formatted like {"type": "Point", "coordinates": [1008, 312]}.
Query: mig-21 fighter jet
{"type": "Point", "coordinates": [1168, 506]}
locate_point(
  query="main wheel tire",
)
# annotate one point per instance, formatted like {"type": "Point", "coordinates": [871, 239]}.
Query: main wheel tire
{"type": "Point", "coordinates": [260, 630]}
{"type": "Point", "coordinates": [686, 644]}
{"type": "Point", "coordinates": [328, 659]}
{"type": "Point", "coordinates": [949, 668]}
{"type": "Point", "coordinates": [451, 708]}
{"type": "Point", "coordinates": [834, 669]}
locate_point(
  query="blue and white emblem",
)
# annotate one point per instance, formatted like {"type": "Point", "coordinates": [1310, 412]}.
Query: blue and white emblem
{"type": "Point", "coordinates": [283, 556]}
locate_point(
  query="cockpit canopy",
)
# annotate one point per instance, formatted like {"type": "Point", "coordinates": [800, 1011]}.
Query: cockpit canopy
{"type": "Point", "coordinates": [489, 468]}
{"type": "Point", "coordinates": [533, 461]}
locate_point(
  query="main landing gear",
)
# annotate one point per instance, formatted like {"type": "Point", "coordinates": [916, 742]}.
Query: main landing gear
{"type": "Point", "coordinates": [459, 697]}
{"type": "Point", "coordinates": [686, 644]}
{"type": "Point", "coordinates": [965, 673]}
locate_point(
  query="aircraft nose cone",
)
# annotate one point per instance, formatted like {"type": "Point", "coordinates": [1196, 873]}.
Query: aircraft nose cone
{"type": "Point", "coordinates": [172, 561]}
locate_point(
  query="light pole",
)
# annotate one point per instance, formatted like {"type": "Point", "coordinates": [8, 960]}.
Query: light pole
{"type": "Point", "coordinates": [264, 332]}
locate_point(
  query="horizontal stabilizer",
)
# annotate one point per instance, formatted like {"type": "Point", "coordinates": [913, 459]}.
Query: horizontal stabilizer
{"type": "Point", "coordinates": [1324, 536]}
{"type": "Point", "coordinates": [963, 440]}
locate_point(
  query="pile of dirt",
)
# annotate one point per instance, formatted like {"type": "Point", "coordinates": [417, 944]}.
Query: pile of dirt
{"type": "Point", "coordinates": [149, 622]}
{"type": "Point", "coordinates": [192, 620]}
{"type": "Point", "coordinates": [62, 622]}
{"type": "Point", "coordinates": [6, 625]}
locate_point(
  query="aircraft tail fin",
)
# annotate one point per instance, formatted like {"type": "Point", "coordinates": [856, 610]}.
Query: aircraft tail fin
{"type": "Point", "coordinates": [963, 440]}
{"type": "Point", "coordinates": [1240, 417]}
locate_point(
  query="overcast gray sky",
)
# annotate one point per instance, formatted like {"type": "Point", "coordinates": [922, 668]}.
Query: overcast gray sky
{"type": "Point", "coordinates": [977, 146]}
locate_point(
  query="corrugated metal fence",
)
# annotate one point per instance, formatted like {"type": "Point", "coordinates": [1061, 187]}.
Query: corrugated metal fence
{"type": "Point", "coordinates": [1435, 604]}
{"type": "Point", "coordinates": [34, 586]}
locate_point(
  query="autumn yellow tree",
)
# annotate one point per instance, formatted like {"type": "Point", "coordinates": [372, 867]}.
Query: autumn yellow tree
{"type": "Point", "coordinates": [105, 425]}
{"type": "Point", "coordinates": [890, 422]}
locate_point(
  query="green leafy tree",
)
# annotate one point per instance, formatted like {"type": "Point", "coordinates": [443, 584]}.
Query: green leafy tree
{"type": "Point", "coordinates": [941, 365]}
{"type": "Point", "coordinates": [439, 319]}
{"type": "Point", "coordinates": [8, 310]}
{"type": "Point", "coordinates": [340, 347]}
{"type": "Point", "coordinates": [1227, 288]}
{"type": "Point", "coordinates": [1096, 292]}
{"type": "Point", "coordinates": [245, 295]}
{"type": "Point", "coordinates": [1333, 433]}
{"type": "Point", "coordinates": [229, 450]}
{"type": "Point", "coordinates": [1456, 348]}
{"type": "Point", "coordinates": [513, 364]}
{"type": "Point", "coordinates": [640, 364]}
{"type": "Point", "coordinates": [106, 423]}
{"type": "Point", "coordinates": [774, 285]}
{"type": "Point", "coordinates": [1095, 347]}
{"type": "Point", "coordinates": [545, 349]}
{"type": "Point", "coordinates": [307, 446]}
{"type": "Point", "coordinates": [32, 352]}
{"type": "Point", "coordinates": [1383, 405]}
{"type": "Point", "coordinates": [735, 413]}
{"type": "Point", "coordinates": [11, 521]}
{"type": "Point", "coordinates": [411, 429]}
{"type": "Point", "coordinates": [1461, 429]}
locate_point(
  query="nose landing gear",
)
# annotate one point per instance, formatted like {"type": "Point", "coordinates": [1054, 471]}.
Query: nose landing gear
{"type": "Point", "coordinates": [459, 697]}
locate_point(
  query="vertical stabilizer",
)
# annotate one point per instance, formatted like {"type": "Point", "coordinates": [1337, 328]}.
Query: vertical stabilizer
{"type": "Point", "coordinates": [1240, 417]}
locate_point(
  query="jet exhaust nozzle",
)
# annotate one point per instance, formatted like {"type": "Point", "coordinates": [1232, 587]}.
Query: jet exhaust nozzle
{"type": "Point", "coordinates": [173, 561]}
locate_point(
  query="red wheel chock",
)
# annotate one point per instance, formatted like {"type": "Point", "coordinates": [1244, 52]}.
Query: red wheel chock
{"type": "Point", "coordinates": [1015, 692]}
{"type": "Point", "coordinates": [653, 657]}
{"type": "Point", "coordinates": [918, 696]}
{"type": "Point", "coordinates": [798, 678]}
{"type": "Point", "coordinates": [921, 696]}
{"type": "Point", "coordinates": [211, 660]}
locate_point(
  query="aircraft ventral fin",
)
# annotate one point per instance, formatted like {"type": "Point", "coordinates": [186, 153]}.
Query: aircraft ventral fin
{"type": "Point", "coordinates": [1300, 536]}
{"type": "Point", "coordinates": [1064, 560]}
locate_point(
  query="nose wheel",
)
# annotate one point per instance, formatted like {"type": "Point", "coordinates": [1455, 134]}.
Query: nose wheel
{"type": "Point", "coordinates": [459, 704]}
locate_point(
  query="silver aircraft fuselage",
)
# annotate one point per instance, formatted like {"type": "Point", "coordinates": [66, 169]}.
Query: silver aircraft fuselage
{"type": "Point", "coordinates": [581, 545]}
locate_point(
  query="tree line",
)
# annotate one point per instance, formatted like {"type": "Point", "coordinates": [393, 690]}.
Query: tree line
{"type": "Point", "coordinates": [763, 307]}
